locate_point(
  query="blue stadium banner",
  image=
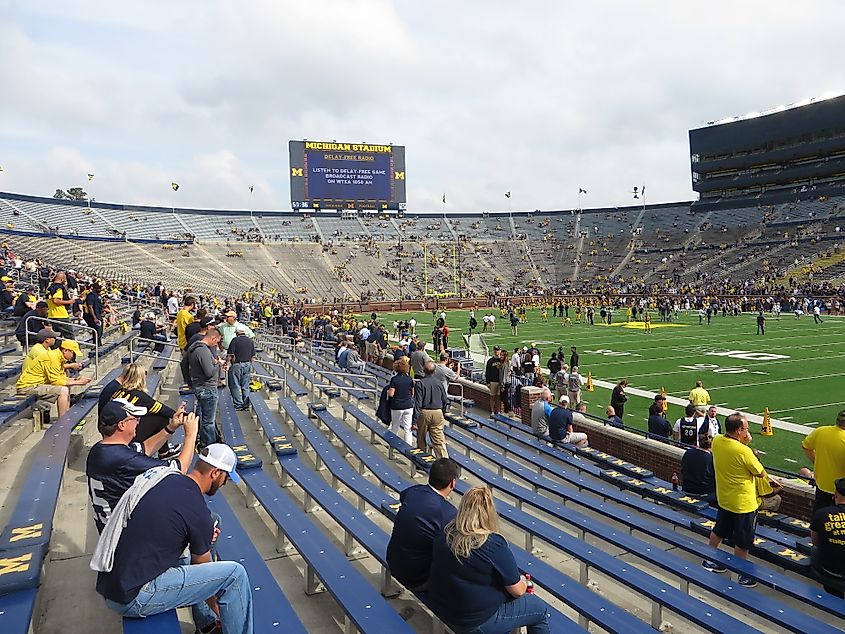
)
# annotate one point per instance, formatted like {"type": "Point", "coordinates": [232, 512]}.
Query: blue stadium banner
{"type": "Point", "coordinates": [333, 175]}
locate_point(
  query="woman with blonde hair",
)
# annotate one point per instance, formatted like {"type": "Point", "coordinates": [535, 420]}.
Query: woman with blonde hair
{"type": "Point", "coordinates": [132, 385]}
{"type": "Point", "coordinates": [475, 585]}
{"type": "Point", "coordinates": [400, 393]}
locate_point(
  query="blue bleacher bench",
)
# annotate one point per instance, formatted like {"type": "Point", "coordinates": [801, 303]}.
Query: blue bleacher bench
{"type": "Point", "coordinates": [271, 609]}
{"type": "Point", "coordinates": [363, 605]}
{"type": "Point", "coordinates": [353, 521]}
{"type": "Point", "coordinates": [164, 623]}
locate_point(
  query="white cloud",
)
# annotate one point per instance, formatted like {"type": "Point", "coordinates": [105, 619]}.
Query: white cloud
{"type": "Point", "coordinates": [538, 98]}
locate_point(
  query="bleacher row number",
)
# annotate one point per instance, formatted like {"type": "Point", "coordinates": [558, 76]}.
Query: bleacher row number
{"type": "Point", "coordinates": [12, 565]}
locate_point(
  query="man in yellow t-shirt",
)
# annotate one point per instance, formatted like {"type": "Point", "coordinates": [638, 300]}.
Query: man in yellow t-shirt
{"type": "Point", "coordinates": [736, 469]}
{"type": "Point", "coordinates": [58, 300]}
{"type": "Point", "coordinates": [825, 447]}
{"type": "Point", "coordinates": [183, 318]}
{"type": "Point", "coordinates": [43, 371]}
{"type": "Point", "coordinates": [698, 396]}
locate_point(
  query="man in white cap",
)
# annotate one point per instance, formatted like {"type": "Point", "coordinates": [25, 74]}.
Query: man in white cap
{"type": "Point", "coordinates": [148, 329]}
{"type": "Point", "coordinates": [141, 571]}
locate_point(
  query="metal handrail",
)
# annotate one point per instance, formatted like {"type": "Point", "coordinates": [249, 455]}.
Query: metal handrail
{"type": "Point", "coordinates": [460, 385]}
{"type": "Point", "coordinates": [133, 353]}
{"type": "Point", "coordinates": [346, 388]}
{"type": "Point", "coordinates": [94, 345]}
{"type": "Point", "coordinates": [366, 377]}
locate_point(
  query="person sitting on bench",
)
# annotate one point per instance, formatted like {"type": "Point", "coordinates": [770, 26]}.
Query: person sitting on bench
{"type": "Point", "coordinates": [43, 371]}
{"type": "Point", "coordinates": [475, 585]}
{"type": "Point", "coordinates": [115, 461]}
{"type": "Point", "coordinates": [424, 512]}
{"type": "Point", "coordinates": [139, 557]}
{"type": "Point", "coordinates": [561, 428]}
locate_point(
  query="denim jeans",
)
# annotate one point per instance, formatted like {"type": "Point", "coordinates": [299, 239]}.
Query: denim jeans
{"type": "Point", "coordinates": [529, 610]}
{"type": "Point", "coordinates": [191, 585]}
{"type": "Point", "coordinates": [238, 378]}
{"type": "Point", "coordinates": [207, 403]}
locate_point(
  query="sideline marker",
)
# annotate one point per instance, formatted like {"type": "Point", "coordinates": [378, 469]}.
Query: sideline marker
{"type": "Point", "coordinates": [767, 424]}
{"type": "Point", "coordinates": [590, 387]}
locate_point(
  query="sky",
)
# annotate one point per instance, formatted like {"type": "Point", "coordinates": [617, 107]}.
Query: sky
{"type": "Point", "coordinates": [538, 98]}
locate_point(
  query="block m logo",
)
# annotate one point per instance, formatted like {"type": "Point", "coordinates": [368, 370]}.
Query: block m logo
{"type": "Point", "coordinates": [15, 564]}
{"type": "Point", "coordinates": [296, 171]}
{"type": "Point", "coordinates": [26, 532]}
{"type": "Point", "coordinates": [399, 176]}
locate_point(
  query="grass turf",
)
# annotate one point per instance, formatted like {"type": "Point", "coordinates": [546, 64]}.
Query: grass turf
{"type": "Point", "coordinates": [794, 369]}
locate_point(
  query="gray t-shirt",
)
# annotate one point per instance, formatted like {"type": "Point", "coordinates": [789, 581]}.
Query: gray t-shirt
{"type": "Point", "coordinates": [444, 374]}
{"type": "Point", "coordinates": [539, 422]}
{"type": "Point", "coordinates": [418, 360]}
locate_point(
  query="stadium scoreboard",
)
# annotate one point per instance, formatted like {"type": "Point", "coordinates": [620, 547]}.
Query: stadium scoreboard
{"type": "Point", "coordinates": [332, 175]}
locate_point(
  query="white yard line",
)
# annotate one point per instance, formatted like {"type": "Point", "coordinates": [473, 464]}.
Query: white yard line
{"type": "Point", "coordinates": [705, 358]}
{"type": "Point", "coordinates": [671, 341]}
{"type": "Point", "coordinates": [674, 400]}
{"type": "Point", "coordinates": [795, 409]}
{"type": "Point", "coordinates": [698, 352]}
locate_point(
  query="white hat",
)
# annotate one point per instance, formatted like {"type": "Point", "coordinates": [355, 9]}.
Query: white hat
{"type": "Point", "coordinates": [221, 456]}
{"type": "Point", "coordinates": [150, 316]}
{"type": "Point", "coordinates": [564, 399]}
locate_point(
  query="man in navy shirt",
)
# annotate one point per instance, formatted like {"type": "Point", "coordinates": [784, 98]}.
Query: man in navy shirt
{"type": "Point", "coordinates": [424, 512]}
{"type": "Point", "coordinates": [560, 425]}
{"type": "Point", "coordinates": [697, 473]}
{"type": "Point", "coordinates": [115, 461]}
{"type": "Point", "coordinates": [30, 324]}
{"type": "Point", "coordinates": [239, 354]}
{"type": "Point", "coordinates": [148, 574]}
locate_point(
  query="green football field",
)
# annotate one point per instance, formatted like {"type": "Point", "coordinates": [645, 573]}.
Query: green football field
{"type": "Point", "coordinates": [795, 369]}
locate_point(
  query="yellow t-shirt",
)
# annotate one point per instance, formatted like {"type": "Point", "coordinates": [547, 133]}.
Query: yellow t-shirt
{"type": "Point", "coordinates": [699, 396]}
{"type": "Point", "coordinates": [43, 367]}
{"type": "Point", "coordinates": [183, 318]}
{"type": "Point", "coordinates": [56, 311]}
{"type": "Point", "coordinates": [829, 444]}
{"type": "Point", "coordinates": [736, 469]}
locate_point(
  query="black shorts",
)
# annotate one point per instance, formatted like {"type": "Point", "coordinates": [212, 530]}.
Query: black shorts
{"type": "Point", "coordinates": [738, 527]}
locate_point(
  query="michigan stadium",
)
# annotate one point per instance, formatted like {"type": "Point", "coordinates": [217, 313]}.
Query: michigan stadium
{"type": "Point", "coordinates": [531, 367]}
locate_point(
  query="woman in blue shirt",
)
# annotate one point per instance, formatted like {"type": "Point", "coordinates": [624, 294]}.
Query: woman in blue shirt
{"type": "Point", "coordinates": [401, 394]}
{"type": "Point", "coordinates": [475, 585]}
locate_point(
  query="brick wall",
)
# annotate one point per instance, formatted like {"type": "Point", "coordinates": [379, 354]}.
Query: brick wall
{"type": "Point", "coordinates": [528, 396]}
{"type": "Point", "coordinates": [664, 460]}
{"type": "Point", "coordinates": [661, 458]}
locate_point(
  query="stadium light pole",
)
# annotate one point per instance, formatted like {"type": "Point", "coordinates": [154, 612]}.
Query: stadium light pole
{"type": "Point", "coordinates": [399, 255]}
{"type": "Point", "coordinates": [461, 238]}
